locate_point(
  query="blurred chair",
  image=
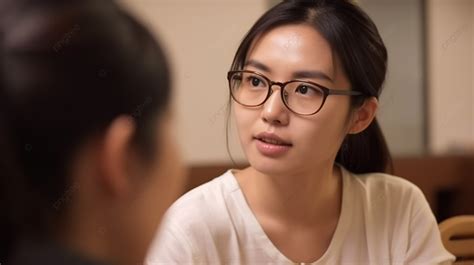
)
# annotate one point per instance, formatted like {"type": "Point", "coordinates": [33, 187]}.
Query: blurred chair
{"type": "Point", "coordinates": [457, 234]}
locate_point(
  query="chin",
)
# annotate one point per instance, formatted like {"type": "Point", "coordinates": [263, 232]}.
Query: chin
{"type": "Point", "coordinates": [269, 165]}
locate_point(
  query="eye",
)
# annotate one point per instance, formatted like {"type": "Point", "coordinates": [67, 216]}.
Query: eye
{"type": "Point", "coordinates": [254, 81]}
{"type": "Point", "coordinates": [307, 90]}
{"type": "Point", "coordinates": [303, 89]}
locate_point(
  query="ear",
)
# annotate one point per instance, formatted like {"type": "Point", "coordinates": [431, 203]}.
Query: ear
{"type": "Point", "coordinates": [116, 155]}
{"type": "Point", "coordinates": [364, 115]}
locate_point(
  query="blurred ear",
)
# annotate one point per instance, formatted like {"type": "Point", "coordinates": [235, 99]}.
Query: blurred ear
{"type": "Point", "coordinates": [363, 116]}
{"type": "Point", "coordinates": [116, 156]}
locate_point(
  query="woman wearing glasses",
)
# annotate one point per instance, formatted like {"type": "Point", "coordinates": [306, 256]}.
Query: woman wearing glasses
{"type": "Point", "coordinates": [88, 163]}
{"type": "Point", "coordinates": [305, 84]}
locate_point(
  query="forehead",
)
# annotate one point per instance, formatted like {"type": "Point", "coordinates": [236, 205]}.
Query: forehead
{"type": "Point", "coordinates": [293, 48]}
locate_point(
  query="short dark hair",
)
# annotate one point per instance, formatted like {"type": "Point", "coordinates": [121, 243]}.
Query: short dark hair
{"type": "Point", "coordinates": [75, 66]}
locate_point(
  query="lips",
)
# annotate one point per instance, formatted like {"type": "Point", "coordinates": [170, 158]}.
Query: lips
{"type": "Point", "coordinates": [271, 138]}
{"type": "Point", "coordinates": [271, 145]}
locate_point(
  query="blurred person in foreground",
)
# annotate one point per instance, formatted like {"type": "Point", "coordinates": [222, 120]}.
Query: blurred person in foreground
{"type": "Point", "coordinates": [88, 162]}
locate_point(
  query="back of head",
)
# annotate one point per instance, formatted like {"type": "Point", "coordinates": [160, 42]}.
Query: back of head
{"type": "Point", "coordinates": [68, 68]}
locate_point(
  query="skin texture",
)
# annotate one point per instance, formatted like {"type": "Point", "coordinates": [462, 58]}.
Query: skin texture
{"type": "Point", "coordinates": [296, 196]}
{"type": "Point", "coordinates": [120, 197]}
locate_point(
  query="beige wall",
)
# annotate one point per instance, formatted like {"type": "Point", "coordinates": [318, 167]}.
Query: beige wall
{"type": "Point", "coordinates": [201, 38]}
{"type": "Point", "coordinates": [401, 110]}
{"type": "Point", "coordinates": [451, 71]}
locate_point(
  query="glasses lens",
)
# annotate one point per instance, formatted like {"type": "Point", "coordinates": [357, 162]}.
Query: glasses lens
{"type": "Point", "coordinates": [248, 88]}
{"type": "Point", "coordinates": [303, 98]}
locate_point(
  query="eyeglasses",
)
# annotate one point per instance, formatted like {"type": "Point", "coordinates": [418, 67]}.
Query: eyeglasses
{"type": "Point", "coordinates": [252, 89]}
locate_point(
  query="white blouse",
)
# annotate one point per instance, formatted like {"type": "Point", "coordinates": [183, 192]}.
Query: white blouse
{"type": "Point", "coordinates": [384, 220]}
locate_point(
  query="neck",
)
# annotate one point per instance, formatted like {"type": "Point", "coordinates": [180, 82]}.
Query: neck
{"type": "Point", "coordinates": [86, 237]}
{"type": "Point", "coordinates": [305, 198]}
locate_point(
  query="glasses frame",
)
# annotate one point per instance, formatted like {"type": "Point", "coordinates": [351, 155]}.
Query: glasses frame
{"type": "Point", "coordinates": [326, 91]}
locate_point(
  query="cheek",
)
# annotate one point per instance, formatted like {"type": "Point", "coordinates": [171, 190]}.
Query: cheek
{"type": "Point", "coordinates": [322, 134]}
{"type": "Point", "coordinates": [335, 114]}
{"type": "Point", "coordinates": [169, 171]}
{"type": "Point", "coordinates": [244, 119]}
{"type": "Point", "coordinates": [159, 185]}
{"type": "Point", "coordinates": [166, 177]}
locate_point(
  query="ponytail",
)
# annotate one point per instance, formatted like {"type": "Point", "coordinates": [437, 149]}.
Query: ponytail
{"type": "Point", "coordinates": [366, 151]}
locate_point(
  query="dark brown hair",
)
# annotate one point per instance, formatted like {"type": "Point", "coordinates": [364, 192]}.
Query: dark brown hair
{"type": "Point", "coordinates": [68, 69]}
{"type": "Point", "coordinates": [356, 40]}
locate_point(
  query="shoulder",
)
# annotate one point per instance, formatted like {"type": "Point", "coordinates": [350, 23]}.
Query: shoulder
{"type": "Point", "coordinates": [193, 222]}
{"type": "Point", "coordinates": [193, 211]}
{"type": "Point", "coordinates": [384, 190]}
{"type": "Point", "coordinates": [209, 194]}
{"type": "Point", "coordinates": [381, 183]}
{"type": "Point", "coordinates": [397, 217]}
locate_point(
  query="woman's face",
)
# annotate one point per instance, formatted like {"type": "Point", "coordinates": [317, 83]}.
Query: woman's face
{"type": "Point", "coordinates": [282, 54]}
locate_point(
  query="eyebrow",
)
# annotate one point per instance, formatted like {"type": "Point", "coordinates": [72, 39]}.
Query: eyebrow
{"type": "Point", "coordinates": [258, 65]}
{"type": "Point", "coordinates": [312, 74]}
{"type": "Point", "coordinates": [298, 74]}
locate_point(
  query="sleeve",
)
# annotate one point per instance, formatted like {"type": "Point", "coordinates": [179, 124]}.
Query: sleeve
{"type": "Point", "coordinates": [171, 246]}
{"type": "Point", "coordinates": [425, 245]}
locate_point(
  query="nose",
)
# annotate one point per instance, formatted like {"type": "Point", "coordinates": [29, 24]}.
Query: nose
{"type": "Point", "coordinates": [274, 110]}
